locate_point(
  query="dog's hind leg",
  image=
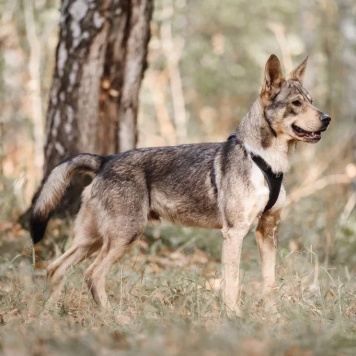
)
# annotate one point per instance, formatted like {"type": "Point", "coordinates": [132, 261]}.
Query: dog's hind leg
{"type": "Point", "coordinates": [86, 241]}
{"type": "Point", "coordinates": [115, 245]}
{"type": "Point", "coordinates": [266, 236]}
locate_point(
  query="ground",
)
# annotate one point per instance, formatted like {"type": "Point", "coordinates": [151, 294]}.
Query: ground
{"type": "Point", "coordinates": [166, 300]}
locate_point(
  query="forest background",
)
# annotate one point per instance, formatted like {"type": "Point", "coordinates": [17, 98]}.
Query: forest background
{"type": "Point", "coordinates": [205, 65]}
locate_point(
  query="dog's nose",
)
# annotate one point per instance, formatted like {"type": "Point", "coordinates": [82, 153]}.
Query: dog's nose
{"type": "Point", "coordinates": [325, 119]}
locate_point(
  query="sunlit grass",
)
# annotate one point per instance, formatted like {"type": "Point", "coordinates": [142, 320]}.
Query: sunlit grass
{"type": "Point", "coordinates": [164, 302]}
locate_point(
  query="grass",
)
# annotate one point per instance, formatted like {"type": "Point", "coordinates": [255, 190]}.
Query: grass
{"type": "Point", "coordinates": [165, 303]}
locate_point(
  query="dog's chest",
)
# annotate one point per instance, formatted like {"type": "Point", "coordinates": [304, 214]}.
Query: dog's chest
{"type": "Point", "coordinates": [261, 190]}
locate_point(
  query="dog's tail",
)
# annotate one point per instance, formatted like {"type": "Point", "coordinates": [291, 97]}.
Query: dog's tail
{"type": "Point", "coordinates": [54, 188]}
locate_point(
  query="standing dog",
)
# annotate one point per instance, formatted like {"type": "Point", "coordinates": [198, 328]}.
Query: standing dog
{"type": "Point", "coordinates": [224, 185]}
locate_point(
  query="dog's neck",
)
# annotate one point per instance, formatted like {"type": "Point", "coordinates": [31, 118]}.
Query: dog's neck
{"type": "Point", "coordinates": [259, 138]}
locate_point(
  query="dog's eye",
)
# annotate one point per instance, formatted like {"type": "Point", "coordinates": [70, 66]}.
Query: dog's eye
{"type": "Point", "coordinates": [297, 103]}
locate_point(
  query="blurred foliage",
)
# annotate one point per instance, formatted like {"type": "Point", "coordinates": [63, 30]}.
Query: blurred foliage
{"type": "Point", "coordinates": [223, 47]}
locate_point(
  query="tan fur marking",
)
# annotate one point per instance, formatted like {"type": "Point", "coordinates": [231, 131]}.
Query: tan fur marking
{"type": "Point", "coordinates": [86, 241]}
{"type": "Point", "coordinates": [95, 276]}
{"type": "Point", "coordinates": [266, 236]}
{"type": "Point", "coordinates": [298, 73]}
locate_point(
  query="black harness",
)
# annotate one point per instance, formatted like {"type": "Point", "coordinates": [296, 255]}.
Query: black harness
{"type": "Point", "coordinates": [274, 180]}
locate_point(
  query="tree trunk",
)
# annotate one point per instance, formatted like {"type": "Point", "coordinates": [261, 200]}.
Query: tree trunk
{"type": "Point", "coordinates": [100, 61]}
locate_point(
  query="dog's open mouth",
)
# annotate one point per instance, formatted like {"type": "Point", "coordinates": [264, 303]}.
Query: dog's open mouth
{"type": "Point", "coordinates": [310, 136]}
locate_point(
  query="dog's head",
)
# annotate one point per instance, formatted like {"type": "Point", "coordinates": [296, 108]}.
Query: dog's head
{"type": "Point", "coordinates": [288, 107]}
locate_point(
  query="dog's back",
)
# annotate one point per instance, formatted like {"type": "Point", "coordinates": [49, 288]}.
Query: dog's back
{"type": "Point", "coordinates": [176, 183]}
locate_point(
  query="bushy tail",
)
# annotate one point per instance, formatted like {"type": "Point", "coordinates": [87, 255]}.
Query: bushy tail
{"type": "Point", "coordinates": [54, 188]}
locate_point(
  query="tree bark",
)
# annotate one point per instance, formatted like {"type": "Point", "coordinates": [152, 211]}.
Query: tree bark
{"type": "Point", "coordinates": [100, 61]}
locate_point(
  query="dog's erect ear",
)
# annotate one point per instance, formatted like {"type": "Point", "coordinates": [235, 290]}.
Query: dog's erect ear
{"type": "Point", "coordinates": [273, 78]}
{"type": "Point", "coordinates": [298, 73]}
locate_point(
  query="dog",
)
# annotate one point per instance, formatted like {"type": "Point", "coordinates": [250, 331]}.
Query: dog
{"type": "Point", "coordinates": [225, 185]}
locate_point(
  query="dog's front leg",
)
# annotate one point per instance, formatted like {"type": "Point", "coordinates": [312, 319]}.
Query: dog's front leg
{"type": "Point", "coordinates": [231, 253]}
{"type": "Point", "coordinates": [266, 236]}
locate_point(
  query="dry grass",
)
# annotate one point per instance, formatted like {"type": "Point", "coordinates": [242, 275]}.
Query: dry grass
{"type": "Point", "coordinates": [164, 301]}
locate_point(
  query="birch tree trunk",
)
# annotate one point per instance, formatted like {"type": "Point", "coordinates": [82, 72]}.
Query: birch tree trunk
{"type": "Point", "coordinates": [100, 61]}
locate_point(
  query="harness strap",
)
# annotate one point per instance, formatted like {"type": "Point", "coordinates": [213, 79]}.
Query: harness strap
{"type": "Point", "coordinates": [274, 180]}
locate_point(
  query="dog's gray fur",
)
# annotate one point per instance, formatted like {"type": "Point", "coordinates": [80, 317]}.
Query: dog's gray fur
{"type": "Point", "coordinates": [211, 185]}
